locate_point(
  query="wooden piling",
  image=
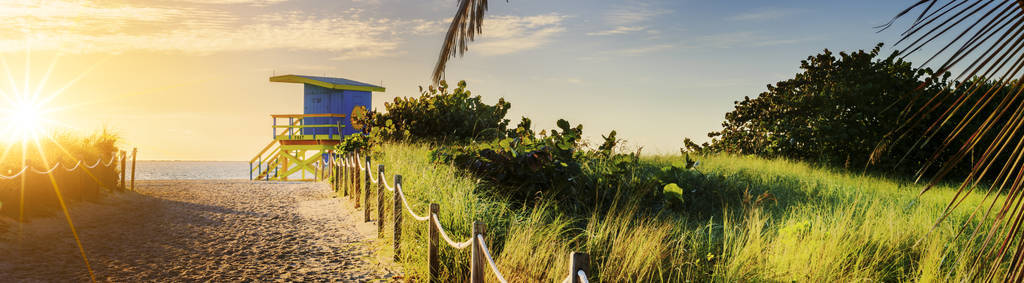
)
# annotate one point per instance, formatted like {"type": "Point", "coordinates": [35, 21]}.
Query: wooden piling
{"type": "Point", "coordinates": [477, 260]}
{"type": "Point", "coordinates": [337, 173]}
{"type": "Point", "coordinates": [433, 265]}
{"type": "Point", "coordinates": [124, 157]}
{"type": "Point", "coordinates": [398, 218]}
{"type": "Point", "coordinates": [135, 152]}
{"type": "Point", "coordinates": [344, 175]}
{"type": "Point", "coordinates": [380, 200]}
{"type": "Point", "coordinates": [366, 190]}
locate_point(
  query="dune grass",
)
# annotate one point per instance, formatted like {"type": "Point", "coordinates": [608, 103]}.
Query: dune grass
{"type": "Point", "coordinates": [63, 147]}
{"type": "Point", "coordinates": [770, 220]}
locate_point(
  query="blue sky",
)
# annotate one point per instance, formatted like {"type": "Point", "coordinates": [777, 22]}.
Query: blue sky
{"type": "Point", "coordinates": [656, 71]}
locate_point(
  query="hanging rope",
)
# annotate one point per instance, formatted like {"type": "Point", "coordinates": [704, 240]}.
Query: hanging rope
{"type": "Point", "coordinates": [78, 164]}
{"type": "Point", "coordinates": [112, 158]}
{"type": "Point", "coordinates": [374, 180]}
{"type": "Point", "coordinates": [48, 171]}
{"type": "Point", "coordinates": [444, 235]}
{"type": "Point", "coordinates": [23, 169]}
{"type": "Point", "coordinates": [401, 195]}
{"type": "Point", "coordinates": [387, 186]}
{"type": "Point", "coordinates": [72, 169]}
{"type": "Point", "coordinates": [583, 276]}
{"type": "Point", "coordinates": [490, 261]}
{"type": "Point", "coordinates": [95, 164]}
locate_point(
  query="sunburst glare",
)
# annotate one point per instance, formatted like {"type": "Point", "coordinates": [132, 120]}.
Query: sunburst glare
{"type": "Point", "coordinates": [25, 118]}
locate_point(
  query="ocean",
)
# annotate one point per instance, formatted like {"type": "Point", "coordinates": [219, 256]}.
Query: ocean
{"type": "Point", "coordinates": [192, 170]}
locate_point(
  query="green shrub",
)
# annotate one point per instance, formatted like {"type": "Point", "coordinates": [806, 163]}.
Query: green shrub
{"type": "Point", "coordinates": [353, 143]}
{"type": "Point", "coordinates": [526, 168]}
{"type": "Point", "coordinates": [835, 111]}
{"type": "Point", "coordinates": [440, 115]}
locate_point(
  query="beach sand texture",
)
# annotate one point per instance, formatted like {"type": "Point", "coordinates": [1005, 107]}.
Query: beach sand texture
{"type": "Point", "coordinates": [200, 230]}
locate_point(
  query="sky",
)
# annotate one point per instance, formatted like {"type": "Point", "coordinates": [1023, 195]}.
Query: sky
{"type": "Point", "coordinates": [188, 79]}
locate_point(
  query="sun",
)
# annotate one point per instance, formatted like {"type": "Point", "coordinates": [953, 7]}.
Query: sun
{"type": "Point", "coordinates": [24, 119]}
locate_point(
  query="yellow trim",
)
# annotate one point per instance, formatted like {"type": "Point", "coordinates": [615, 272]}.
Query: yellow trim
{"type": "Point", "coordinates": [304, 80]}
{"type": "Point", "coordinates": [334, 115]}
{"type": "Point", "coordinates": [307, 126]}
{"type": "Point", "coordinates": [298, 137]}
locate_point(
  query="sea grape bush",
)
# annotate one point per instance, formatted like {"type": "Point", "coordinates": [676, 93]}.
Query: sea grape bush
{"type": "Point", "coordinates": [525, 164]}
{"type": "Point", "coordinates": [441, 114]}
{"type": "Point", "coordinates": [520, 164]}
{"type": "Point", "coordinates": [842, 111]}
{"type": "Point", "coordinates": [352, 143]}
{"type": "Point", "coordinates": [525, 167]}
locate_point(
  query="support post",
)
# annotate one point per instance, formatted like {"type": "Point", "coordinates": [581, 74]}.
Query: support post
{"type": "Point", "coordinates": [124, 158]}
{"type": "Point", "coordinates": [344, 175]}
{"type": "Point", "coordinates": [380, 200]}
{"type": "Point", "coordinates": [356, 180]}
{"type": "Point", "coordinates": [135, 152]}
{"type": "Point", "coordinates": [366, 190]}
{"type": "Point", "coordinates": [432, 241]}
{"type": "Point", "coordinates": [477, 261]}
{"type": "Point", "coordinates": [337, 171]}
{"type": "Point", "coordinates": [398, 218]}
{"type": "Point", "coordinates": [578, 261]}
{"type": "Point", "coordinates": [352, 178]}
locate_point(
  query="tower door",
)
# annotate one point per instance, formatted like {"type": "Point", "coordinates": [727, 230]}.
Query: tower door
{"type": "Point", "coordinates": [316, 103]}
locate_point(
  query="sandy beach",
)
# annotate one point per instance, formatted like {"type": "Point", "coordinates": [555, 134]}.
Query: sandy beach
{"type": "Point", "coordinates": [200, 230]}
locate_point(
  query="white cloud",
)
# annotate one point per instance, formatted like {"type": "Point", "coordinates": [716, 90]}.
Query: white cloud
{"type": "Point", "coordinates": [88, 27]}
{"type": "Point", "coordinates": [744, 38]}
{"type": "Point", "coordinates": [620, 30]}
{"type": "Point", "coordinates": [511, 34]}
{"type": "Point", "coordinates": [247, 2]}
{"type": "Point", "coordinates": [764, 15]}
{"type": "Point", "coordinates": [624, 19]}
{"type": "Point", "coordinates": [646, 49]}
{"type": "Point", "coordinates": [633, 14]}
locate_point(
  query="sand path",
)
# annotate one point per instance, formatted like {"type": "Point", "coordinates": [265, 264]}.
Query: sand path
{"type": "Point", "coordinates": [200, 230]}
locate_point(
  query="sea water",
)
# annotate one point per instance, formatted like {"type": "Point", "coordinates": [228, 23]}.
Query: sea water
{"type": "Point", "coordinates": [192, 170]}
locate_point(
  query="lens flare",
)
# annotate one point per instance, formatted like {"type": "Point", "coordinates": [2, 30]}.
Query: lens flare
{"type": "Point", "coordinates": [24, 119]}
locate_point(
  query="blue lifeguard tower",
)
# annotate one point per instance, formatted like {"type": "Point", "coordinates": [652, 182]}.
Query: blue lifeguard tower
{"type": "Point", "coordinates": [328, 104]}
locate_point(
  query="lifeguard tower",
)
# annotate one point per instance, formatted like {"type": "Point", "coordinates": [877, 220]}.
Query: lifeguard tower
{"type": "Point", "coordinates": [304, 139]}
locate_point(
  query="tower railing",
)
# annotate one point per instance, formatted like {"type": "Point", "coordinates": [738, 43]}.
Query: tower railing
{"type": "Point", "coordinates": [293, 130]}
{"type": "Point", "coordinates": [264, 165]}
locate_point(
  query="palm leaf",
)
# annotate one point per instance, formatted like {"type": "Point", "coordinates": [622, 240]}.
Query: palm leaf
{"type": "Point", "coordinates": [984, 40]}
{"type": "Point", "coordinates": [467, 22]}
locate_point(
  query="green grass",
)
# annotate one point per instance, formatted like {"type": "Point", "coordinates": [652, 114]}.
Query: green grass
{"type": "Point", "coordinates": [53, 147]}
{"type": "Point", "coordinates": [809, 224]}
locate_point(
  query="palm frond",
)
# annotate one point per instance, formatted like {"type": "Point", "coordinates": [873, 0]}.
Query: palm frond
{"type": "Point", "coordinates": [466, 24]}
{"type": "Point", "coordinates": [984, 41]}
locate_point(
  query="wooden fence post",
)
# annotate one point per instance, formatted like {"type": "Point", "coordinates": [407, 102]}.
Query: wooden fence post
{"type": "Point", "coordinates": [366, 191]}
{"type": "Point", "coordinates": [578, 261]}
{"type": "Point", "coordinates": [334, 172]}
{"type": "Point", "coordinates": [477, 261]}
{"type": "Point", "coordinates": [124, 157]}
{"type": "Point", "coordinates": [398, 218]}
{"type": "Point", "coordinates": [357, 180]}
{"type": "Point", "coordinates": [380, 200]}
{"type": "Point", "coordinates": [344, 175]}
{"type": "Point", "coordinates": [433, 264]}
{"type": "Point", "coordinates": [337, 172]}
{"type": "Point", "coordinates": [135, 152]}
{"type": "Point", "coordinates": [352, 178]}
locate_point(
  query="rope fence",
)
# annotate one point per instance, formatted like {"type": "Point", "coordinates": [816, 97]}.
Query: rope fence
{"type": "Point", "coordinates": [37, 191]}
{"type": "Point", "coordinates": [346, 174]}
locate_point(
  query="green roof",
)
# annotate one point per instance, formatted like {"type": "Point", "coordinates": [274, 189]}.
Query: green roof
{"type": "Point", "coordinates": [327, 82]}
